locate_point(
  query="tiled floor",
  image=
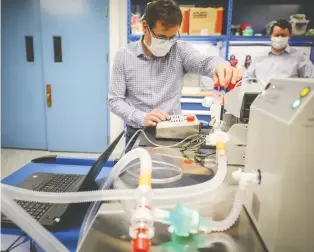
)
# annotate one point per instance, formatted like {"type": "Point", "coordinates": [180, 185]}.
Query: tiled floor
{"type": "Point", "coordinates": [13, 159]}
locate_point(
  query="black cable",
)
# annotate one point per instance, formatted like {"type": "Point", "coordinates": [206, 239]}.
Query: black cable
{"type": "Point", "coordinates": [11, 246]}
{"type": "Point", "coordinates": [19, 244]}
{"type": "Point", "coordinates": [32, 247]}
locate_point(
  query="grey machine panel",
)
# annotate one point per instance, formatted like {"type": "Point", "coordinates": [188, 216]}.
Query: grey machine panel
{"type": "Point", "coordinates": [281, 145]}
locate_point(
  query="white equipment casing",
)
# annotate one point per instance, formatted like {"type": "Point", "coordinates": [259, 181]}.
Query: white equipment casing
{"type": "Point", "coordinates": [234, 98]}
{"type": "Point", "coordinates": [178, 127]}
{"type": "Point", "coordinates": [281, 145]}
{"type": "Point", "coordinates": [233, 103]}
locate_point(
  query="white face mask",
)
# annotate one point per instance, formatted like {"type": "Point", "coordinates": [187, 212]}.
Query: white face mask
{"type": "Point", "coordinates": [159, 47]}
{"type": "Point", "coordinates": [279, 42]}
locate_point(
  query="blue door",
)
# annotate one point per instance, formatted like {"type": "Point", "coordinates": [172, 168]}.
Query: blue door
{"type": "Point", "coordinates": [22, 91]}
{"type": "Point", "coordinates": [75, 44]}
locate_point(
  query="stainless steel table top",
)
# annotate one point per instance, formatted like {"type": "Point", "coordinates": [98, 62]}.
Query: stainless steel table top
{"type": "Point", "coordinates": [109, 231]}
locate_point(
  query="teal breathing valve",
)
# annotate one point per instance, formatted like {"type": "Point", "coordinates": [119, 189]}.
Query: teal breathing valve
{"type": "Point", "coordinates": [183, 221]}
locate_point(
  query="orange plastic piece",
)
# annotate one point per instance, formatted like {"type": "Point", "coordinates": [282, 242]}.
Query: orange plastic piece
{"type": "Point", "coordinates": [188, 161]}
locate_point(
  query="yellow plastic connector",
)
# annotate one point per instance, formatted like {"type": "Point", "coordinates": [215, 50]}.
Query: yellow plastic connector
{"type": "Point", "coordinates": [145, 179]}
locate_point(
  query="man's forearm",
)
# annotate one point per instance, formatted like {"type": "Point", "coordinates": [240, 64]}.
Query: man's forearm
{"type": "Point", "coordinates": [210, 65]}
{"type": "Point", "coordinates": [129, 114]}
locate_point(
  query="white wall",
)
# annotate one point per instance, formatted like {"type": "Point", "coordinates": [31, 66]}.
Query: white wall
{"type": "Point", "coordinates": [118, 39]}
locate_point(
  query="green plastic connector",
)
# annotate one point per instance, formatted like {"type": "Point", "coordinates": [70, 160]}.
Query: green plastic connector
{"type": "Point", "coordinates": [184, 221]}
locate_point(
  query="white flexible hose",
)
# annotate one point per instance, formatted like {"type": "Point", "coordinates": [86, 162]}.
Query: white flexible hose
{"type": "Point", "coordinates": [32, 228]}
{"type": "Point", "coordinates": [24, 221]}
{"type": "Point", "coordinates": [195, 193]}
{"type": "Point", "coordinates": [207, 225]}
{"type": "Point", "coordinates": [230, 220]}
{"type": "Point", "coordinates": [145, 162]}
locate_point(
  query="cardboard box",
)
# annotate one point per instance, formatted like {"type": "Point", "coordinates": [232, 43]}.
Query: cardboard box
{"type": "Point", "coordinates": [203, 21]}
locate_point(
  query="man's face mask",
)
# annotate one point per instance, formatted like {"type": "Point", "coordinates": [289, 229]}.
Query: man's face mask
{"type": "Point", "coordinates": [279, 42]}
{"type": "Point", "coordinates": [160, 47]}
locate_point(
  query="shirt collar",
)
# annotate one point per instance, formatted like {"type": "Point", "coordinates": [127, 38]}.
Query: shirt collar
{"type": "Point", "coordinates": [139, 47]}
{"type": "Point", "coordinates": [287, 50]}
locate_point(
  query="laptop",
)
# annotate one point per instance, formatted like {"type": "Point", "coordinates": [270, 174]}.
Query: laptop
{"type": "Point", "coordinates": [55, 217]}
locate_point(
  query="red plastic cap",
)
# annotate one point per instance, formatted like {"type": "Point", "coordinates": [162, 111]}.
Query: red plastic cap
{"type": "Point", "coordinates": [217, 84]}
{"type": "Point", "coordinates": [190, 118]}
{"type": "Point", "coordinates": [231, 86]}
{"type": "Point", "coordinates": [141, 245]}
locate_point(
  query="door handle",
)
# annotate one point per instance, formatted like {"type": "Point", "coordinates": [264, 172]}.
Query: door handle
{"type": "Point", "coordinates": [48, 95]}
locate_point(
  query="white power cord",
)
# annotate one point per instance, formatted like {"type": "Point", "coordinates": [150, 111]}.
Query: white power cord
{"type": "Point", "coordinates": [155, 144]}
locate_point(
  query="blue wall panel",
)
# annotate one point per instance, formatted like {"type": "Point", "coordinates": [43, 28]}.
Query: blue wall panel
{"type": "Point", "coordinates": [22, 91]}
{"type": "Point", "coordinates": [78, 117]}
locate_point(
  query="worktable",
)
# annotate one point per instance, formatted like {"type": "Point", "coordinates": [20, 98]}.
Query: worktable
{"type": "Point", "coordinates": [109, 232]}
{"type": "Point", "coordinates": [65, 165]}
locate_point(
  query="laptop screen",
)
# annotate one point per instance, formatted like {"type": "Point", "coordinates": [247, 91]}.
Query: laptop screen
{"type": "Point", "coordinates": [99, 163]}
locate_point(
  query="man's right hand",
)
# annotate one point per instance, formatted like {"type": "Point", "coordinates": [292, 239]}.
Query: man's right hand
{"type": "Point", "coordinates": [155, 116]}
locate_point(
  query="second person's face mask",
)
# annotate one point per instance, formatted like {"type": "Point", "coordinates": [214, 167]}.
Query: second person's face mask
{"type": "Point", "coordinates": [279, 42]}
{"type": "Point", "coordinates": [159, 47]}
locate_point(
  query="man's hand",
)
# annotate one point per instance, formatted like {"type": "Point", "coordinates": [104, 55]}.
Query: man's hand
{"type": "Point", "coordinates": [226, 74]}
{"type": "Point", "coordinates": [152, 118]}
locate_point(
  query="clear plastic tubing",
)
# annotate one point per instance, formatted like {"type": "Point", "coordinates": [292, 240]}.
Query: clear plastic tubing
{"type": "Point", "coordinates": [220, 226]}
{"type": "Point", "coordinates": [207, 225]}
{"type": "Point", "coordinates": [166, 167]}
{"type": "Point", "coordinates": [24, 221]}
{"type": "Point", "coordinates": [145, 162]}
{"type": "Point", "coordinates": [195, 193]}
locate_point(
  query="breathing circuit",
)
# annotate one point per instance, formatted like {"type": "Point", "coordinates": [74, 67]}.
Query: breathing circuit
{"type": "Point", "coordinates": [147, 199]}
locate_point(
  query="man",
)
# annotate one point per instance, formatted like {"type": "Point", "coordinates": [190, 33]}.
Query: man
{"type": "Point", "coordinates": [147, 75]}
{"type": "Point", "coordinates": [282, 60]}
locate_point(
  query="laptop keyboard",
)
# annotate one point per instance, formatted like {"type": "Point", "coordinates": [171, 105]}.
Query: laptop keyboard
{"type": "Point", "coordinates": [57, 183]}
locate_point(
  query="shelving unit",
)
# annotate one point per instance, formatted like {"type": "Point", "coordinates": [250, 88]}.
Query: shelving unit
{"type": "Point", "coordinates": [265, 40]}
{"type": "Point", "coordinates": [212, 39]}
{"type": "Point", "coordinates": [227, 39]}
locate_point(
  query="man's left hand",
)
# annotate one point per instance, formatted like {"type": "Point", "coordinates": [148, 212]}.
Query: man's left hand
{"type": "Point", "coordinates": [226, 74]}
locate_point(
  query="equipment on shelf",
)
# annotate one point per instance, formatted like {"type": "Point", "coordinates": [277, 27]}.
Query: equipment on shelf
{"type": "Point", "coordinates": [233, 61]}
{"type": "Point", "coordinates": [299, 24]}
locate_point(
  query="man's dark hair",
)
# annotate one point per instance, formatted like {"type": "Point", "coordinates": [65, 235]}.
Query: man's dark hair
{"type": "Point", "coordinates": [166, 11]}
{"type": "Point", "coordinates": [283, 24]}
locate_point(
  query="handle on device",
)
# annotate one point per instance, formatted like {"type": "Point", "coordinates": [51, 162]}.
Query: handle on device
{"type": "Point", "coordinates": [48, 95]}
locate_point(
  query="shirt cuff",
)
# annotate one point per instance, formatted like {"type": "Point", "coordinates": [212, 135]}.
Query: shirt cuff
{"type": "Point", "coordinates": [138, 118]}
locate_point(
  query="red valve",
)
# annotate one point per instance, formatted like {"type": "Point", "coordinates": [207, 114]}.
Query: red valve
{"type": "Point", "coordinates": [231, 86]}
{"type": "Point", "coordinates": [190, 118]}
{"type": "Point", "coordinates": [141, 245]}
{"type": "Point", "coordinates": [217, 84]}
{"type": "Point", "coordinates": [234, 62]}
